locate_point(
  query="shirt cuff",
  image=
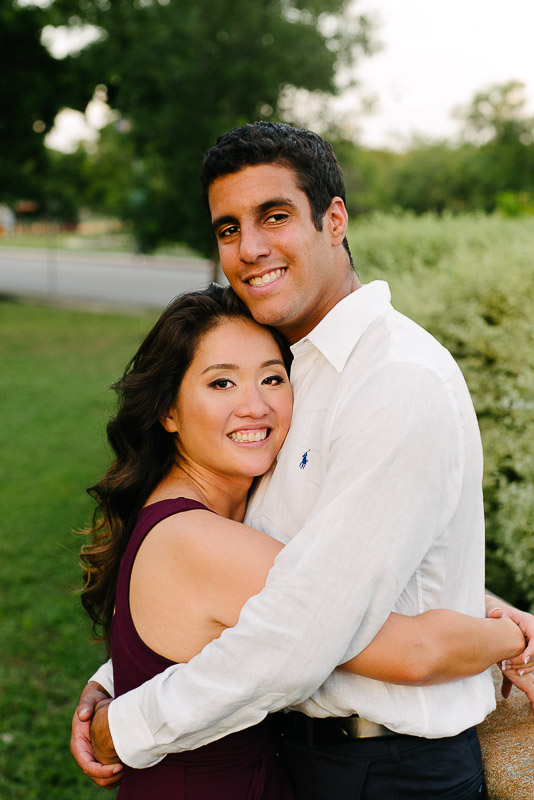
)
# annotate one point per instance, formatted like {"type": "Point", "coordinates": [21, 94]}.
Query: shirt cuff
{"type": "Point", "coordinates": [132, 738]}
{"type": "Point", "coordinates": [104, 676]}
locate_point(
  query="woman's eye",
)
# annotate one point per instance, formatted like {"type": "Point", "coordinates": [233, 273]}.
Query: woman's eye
{"type": "Point", "coordinates": [221, 383]}
{"type": "Point", "coordinates": [274, 380]}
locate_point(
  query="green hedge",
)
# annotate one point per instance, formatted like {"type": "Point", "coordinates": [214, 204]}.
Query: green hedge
{"type": "Point", "coordinates": [469, 280]}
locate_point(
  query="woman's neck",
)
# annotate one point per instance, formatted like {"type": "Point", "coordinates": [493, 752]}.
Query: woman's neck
{"type": "Point", "coordinates": [226, 496]}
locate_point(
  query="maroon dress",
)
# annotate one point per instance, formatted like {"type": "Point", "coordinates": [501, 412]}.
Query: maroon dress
{"type": "Point", "coordinates": [241, 766]}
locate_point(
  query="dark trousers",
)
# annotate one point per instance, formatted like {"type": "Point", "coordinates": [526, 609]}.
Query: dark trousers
{"type": "Point", "coordinates": [389, 768]}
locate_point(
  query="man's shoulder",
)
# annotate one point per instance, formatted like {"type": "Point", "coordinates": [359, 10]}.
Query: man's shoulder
{"type": "Point", "coordinates": [395, 339]}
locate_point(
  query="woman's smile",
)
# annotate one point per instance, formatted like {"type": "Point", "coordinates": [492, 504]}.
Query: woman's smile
{"type": "Point", "coordinates": [250, 435]}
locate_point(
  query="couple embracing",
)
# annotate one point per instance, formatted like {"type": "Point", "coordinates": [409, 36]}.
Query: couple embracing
{"type": "Point", "coordinates": [336, 645]}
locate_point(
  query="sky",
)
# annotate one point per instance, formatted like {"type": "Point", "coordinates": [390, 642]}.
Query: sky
{"type": "Point", "coordinates": [436, 55]}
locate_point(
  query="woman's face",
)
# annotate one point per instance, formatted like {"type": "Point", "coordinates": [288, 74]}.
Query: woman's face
{"type": "Point", "coordinates": [235, 402]}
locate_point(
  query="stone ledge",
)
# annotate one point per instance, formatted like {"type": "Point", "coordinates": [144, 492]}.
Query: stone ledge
{"type": "Point", "coordinates": [507, 742]}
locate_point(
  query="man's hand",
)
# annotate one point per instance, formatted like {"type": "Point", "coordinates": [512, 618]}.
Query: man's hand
{"type": "Point", "coordinates": [516, 672]}
{"type": "Point", "coordinates": [100, 735]}
{"type": "Point", "coordinates": [109, 775]}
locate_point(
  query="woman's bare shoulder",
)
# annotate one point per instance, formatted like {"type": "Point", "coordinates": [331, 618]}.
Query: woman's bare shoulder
{"type": "Point", "coordinates": [219, 562]}
{"type": "Point", "coordinates": [200, 532]}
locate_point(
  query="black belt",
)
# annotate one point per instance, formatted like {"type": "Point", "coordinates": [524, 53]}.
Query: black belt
{"type": "Point", "coordinates": [331, 730]}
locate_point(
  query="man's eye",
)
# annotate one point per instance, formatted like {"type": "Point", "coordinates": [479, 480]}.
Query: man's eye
{"type": "Point", "coordinates": [278, 217]}
{"type": "Point", "coordinates": [228, 231]}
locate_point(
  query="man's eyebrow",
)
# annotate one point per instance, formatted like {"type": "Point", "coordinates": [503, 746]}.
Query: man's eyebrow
{"type": "Point", "coordinates": [271, 363]}
{"type": "Point", "coordinates": [228, 219]}
{"type": "Point", "coordinates": [276, 201]}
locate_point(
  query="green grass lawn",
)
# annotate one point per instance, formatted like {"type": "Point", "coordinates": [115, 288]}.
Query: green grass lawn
{"type": "Point", "coordinates": [56, 367]}
{"type": "Point", "coordinates": [74, 241]}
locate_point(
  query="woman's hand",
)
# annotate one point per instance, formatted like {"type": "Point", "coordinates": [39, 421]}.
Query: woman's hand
{"type": "Point", "coordinates": [106, 776]}
{"type": "Point", "coordinates": [517, 671]}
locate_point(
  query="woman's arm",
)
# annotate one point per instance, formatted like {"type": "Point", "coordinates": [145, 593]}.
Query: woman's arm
{"type": "Point", "coordinates": [195, 571]}
{"type": "Point", "coordinates": [436, 646]}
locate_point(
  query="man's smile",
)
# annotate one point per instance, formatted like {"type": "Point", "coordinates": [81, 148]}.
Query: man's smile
{"type": "Point", "coordinates": [267, 277]}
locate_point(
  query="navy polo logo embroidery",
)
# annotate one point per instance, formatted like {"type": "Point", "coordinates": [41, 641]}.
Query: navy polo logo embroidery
{"type": "Point", "coordinates": [304, 460]}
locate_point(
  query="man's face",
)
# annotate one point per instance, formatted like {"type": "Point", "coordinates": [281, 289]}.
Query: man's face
{"type": "Point", "coordinates": [287, 272]}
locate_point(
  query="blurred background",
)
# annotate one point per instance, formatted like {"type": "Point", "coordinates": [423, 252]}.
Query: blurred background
{"type": "Point", "coordinates": [106, 109]}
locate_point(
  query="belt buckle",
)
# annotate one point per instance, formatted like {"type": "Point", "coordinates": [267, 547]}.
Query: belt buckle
{"type": "Point", "coordinates": [359, 728]}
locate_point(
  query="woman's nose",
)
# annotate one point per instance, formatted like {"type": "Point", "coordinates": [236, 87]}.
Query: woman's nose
{"type": "Point", "coordinates": [252, 404]}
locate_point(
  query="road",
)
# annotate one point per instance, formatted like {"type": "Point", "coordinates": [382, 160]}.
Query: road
{"type": "Point", "coordinates": [110, 279]}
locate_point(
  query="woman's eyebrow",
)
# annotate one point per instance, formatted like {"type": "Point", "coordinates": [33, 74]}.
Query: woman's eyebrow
{"type": "Point", "coordinates": [219, 366]}
{"type": "Point", "coordinates": [273, 362]}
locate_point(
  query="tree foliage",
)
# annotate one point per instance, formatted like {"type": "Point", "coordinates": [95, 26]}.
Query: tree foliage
{"type": "Point", "coordinates": [490, 168]}
{"type": "Point", "coordinates": [180, 74]}
{"type": "Point", "coordinates": [498, 115]}
{"type": "Point", "coordinates": [34, 87]}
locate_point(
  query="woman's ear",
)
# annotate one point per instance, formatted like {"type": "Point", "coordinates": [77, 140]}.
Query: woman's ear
{"type": "Point", "coordinates": [170, 421]}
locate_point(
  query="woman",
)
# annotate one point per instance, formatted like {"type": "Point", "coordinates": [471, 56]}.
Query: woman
{"type": "Point", "coordinates": [204, 407]}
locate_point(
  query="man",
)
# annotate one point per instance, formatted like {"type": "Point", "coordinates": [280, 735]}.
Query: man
{"type": "Point", "coordinates": [376, 493]}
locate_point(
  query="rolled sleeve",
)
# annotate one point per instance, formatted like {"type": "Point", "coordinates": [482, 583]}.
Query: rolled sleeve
{"type": "Point", "coordinates": [104, 676]}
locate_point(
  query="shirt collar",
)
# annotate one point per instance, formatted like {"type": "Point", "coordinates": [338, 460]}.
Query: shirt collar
{"type": "Point", "coordinates": [338, 333]}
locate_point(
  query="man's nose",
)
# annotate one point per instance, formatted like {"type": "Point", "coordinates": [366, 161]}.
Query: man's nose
{"type": "Point", "coordinates": [253, 244]}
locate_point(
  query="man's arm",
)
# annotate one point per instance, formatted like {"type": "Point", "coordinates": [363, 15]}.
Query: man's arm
{"type": "Point", "coordinates": [81, 742]}
{"type": "Point", "coordinates": [356, 549]}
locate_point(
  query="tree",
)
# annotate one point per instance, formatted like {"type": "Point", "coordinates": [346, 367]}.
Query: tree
{"type": "Point", "coordinates": [491, 167]}
{"type": "Point", "coordinates": [498, 122]}
{"type": "Point", "coordinates": [180, 74]}
{"type": "Point", "coordinates": [34, 88]}
{"type": "Point", "coordinates": [498, 115]}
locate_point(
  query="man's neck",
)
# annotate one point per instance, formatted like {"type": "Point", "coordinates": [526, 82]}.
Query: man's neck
{"type": "Point", "coordinates": [347, 287]}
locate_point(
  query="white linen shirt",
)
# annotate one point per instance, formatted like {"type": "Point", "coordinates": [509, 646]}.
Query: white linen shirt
{"type": "Point", "coordinates": [377, 496]}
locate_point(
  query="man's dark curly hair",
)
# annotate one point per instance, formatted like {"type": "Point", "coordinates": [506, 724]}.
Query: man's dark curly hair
{"type": "Point", "coordinates": [311, 158]}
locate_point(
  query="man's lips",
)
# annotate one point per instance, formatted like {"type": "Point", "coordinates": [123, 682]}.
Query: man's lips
{"type": "Point", "coordinates": [266, 277]}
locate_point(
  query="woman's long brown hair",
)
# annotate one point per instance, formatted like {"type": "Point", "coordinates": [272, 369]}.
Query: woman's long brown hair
{"type": "Point", "coordinates": [143, 451]}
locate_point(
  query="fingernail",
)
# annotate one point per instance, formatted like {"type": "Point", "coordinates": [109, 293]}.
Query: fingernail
{"type": "Point", "coordinates": [526, 659]}
{"type": "Point", "coordinates": [116, 768]}
{"type": "Point", "coordinates": [84, 709]}
{"type": "Point", "coordinates": [506, 664]}
{"type": "Point", "coordinates": [521, 672]}
{"type": "Point", "coordinates": [495, 609]}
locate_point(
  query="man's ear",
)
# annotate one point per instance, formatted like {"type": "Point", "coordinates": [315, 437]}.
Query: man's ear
{"type": "Point", "coordinates": [337, 219]}
{"type": "Point", "coordinates": [170, 421]}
